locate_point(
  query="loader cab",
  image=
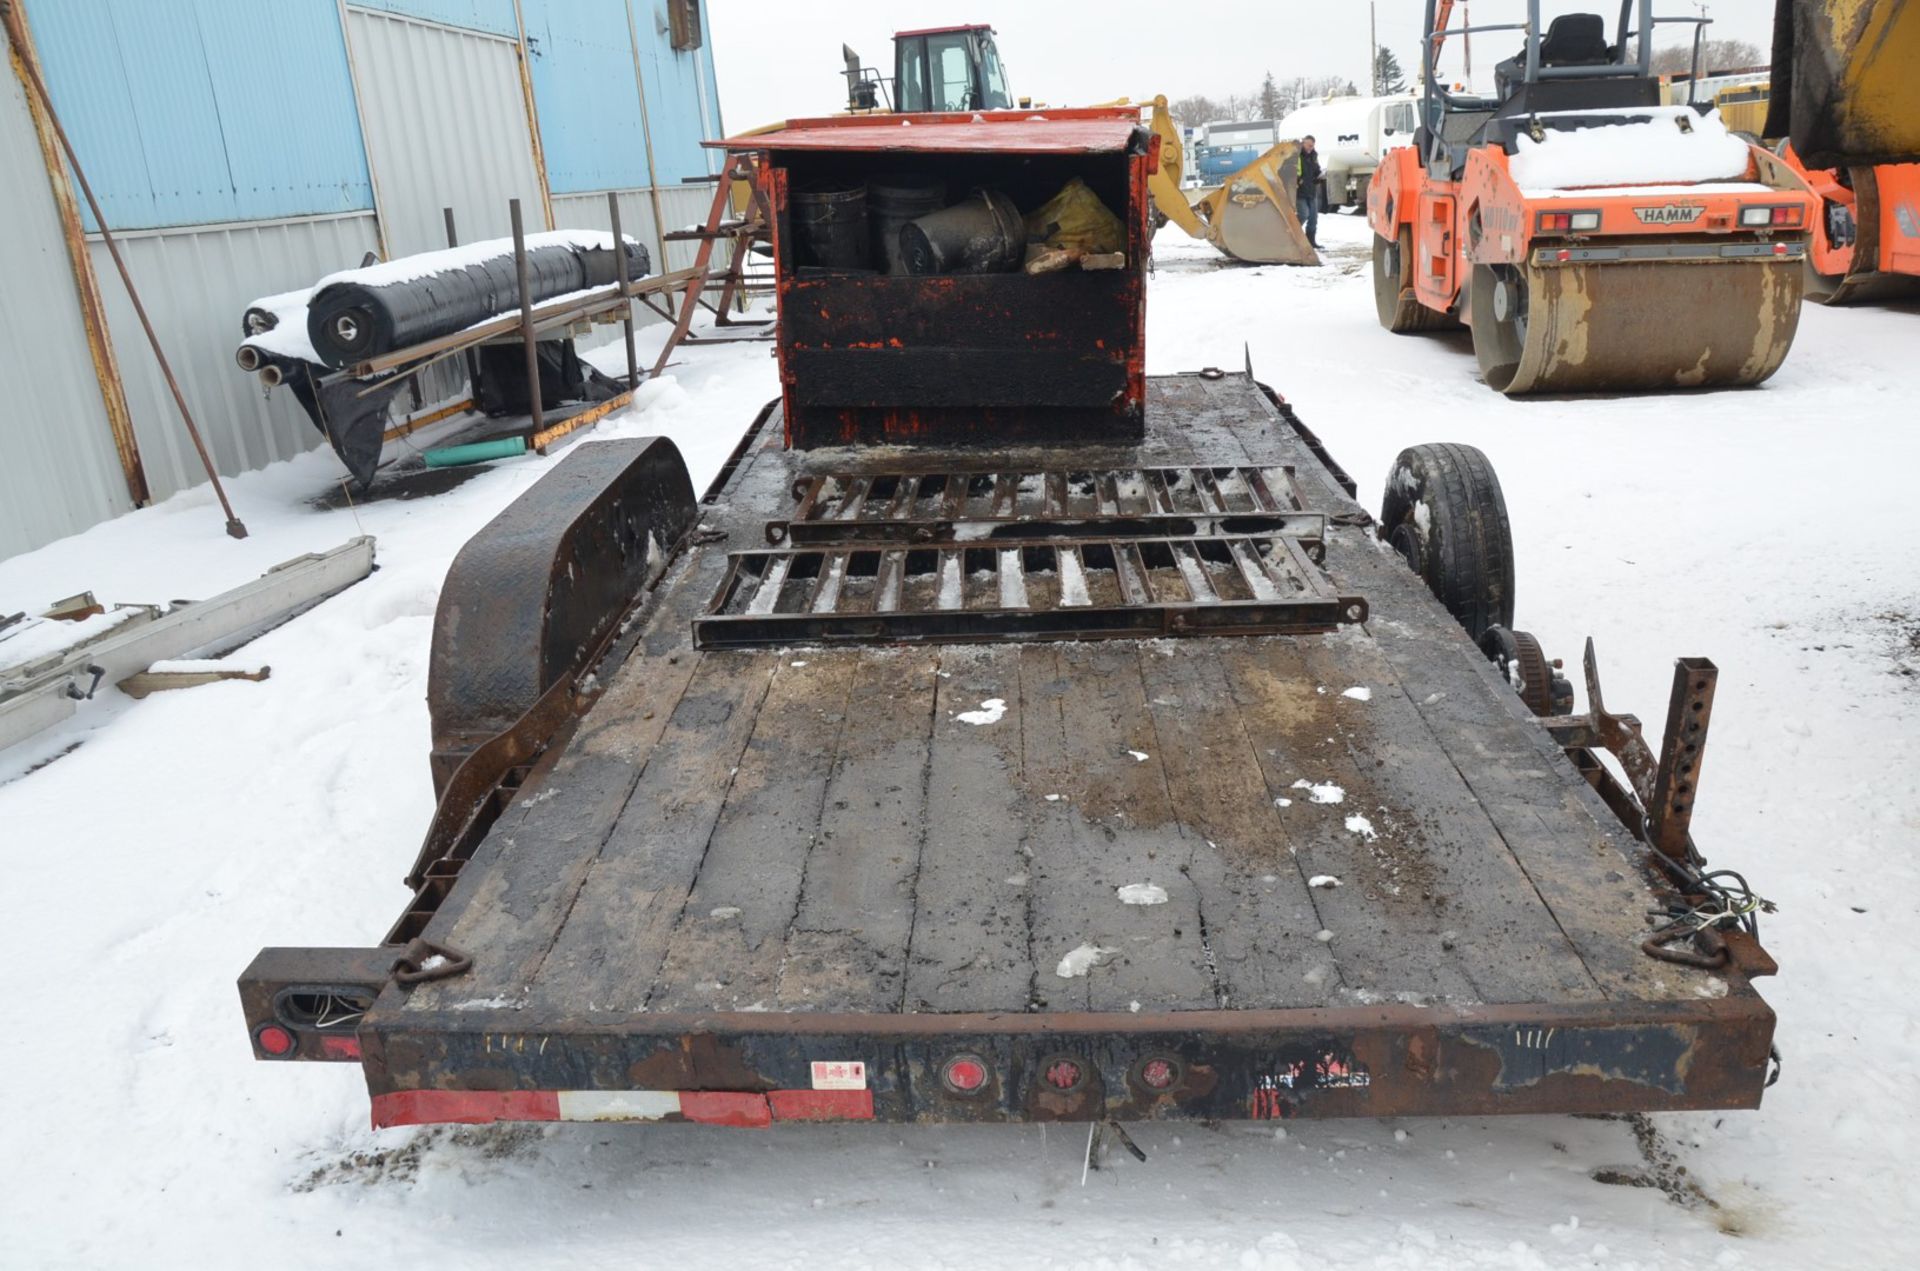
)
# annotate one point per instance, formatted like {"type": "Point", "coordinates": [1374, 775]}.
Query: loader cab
{"type": "Point", "coordinates": [949, 69]}
{"type": "Point", "coordinates": [1570, 62]}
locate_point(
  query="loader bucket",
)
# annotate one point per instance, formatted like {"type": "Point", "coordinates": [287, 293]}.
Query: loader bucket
{"type": "Point", "coordinates": [1843, 82]}
{"type": "Point", "coordinates": [1251, 216]}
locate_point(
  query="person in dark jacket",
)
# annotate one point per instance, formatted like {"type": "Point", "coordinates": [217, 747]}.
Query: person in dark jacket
{"type": "Point", "coordinates": [1307, 196]}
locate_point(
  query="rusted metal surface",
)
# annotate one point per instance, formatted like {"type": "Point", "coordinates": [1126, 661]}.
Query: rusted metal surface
{"type": "Point", "coordinates": [1087, 130]}
{"type": "Point", "coordinates": [1070, 588]}
{"type": "Point", "coordinates": [968, 358]}
{"type": "Point", "coordinates": [1386, 1060]}
{"type": "Point", "coordinates": [1682, 749]}
{"type": "Point", "coordinates": [1660, 809]}
{"type": "Point", "coordinates": [527, 341]}
{"type": "Point", "coordinates": [1313, 443]}
{"type": "Point", "coordinates": [929, 507]}
{"type": "Point", "coordinates": [106, 367]}
{"type": "Point", "coordinates": [541, 587]}
{"type": "Point", "coordinates": [37, 89]}
{"type": "Point", "coordinates": [317, 995]}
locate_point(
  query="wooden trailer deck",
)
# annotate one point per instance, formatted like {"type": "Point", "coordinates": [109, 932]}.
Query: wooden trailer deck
{"type": "Point", "coordinates": [749, 834]}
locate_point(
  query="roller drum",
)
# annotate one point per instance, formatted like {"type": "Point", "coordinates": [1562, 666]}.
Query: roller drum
{"type": "Point", "coordinates": [1625, 326]}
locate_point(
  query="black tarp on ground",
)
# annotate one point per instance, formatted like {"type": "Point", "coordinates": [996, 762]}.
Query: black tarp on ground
{"type": "Point", "coordinates": [502, 389]}
{"type": "Point", "coordinates": [354, 420]}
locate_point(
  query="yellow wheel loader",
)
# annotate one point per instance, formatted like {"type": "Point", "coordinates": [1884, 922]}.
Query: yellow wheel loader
{"type": "Point", "coordinates": [1250, 217]}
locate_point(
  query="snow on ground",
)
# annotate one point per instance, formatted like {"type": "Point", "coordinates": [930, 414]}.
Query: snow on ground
{"type": "Point", "coordinates": [1762, 527]}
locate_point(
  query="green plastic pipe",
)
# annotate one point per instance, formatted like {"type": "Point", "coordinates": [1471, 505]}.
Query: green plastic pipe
{"type": "Point", "coordinates": [476, 452]}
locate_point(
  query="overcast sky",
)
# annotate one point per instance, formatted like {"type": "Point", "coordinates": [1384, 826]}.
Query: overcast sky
{"type": "Point", "coordinates": [780, 59]}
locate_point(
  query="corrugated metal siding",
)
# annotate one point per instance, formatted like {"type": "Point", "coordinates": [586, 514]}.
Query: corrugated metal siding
{"type": "Point", "coordinates": [680, 206]}
{"type": "Point", "coordinates": [477, 15]}
{"type": "Point", "coordinates": [183, 110]}
{"type": "Point", "coordinates": [58, 470]}
{"type": "Point", "coordinates": [195, 283]}
{"type": "Point", "coordinates": [587, 93]}
{"type": "Point", "coordinates": [446, 126]}
{"type": "Point", "coordinates": [197, 111]}
{"type": "Point", "coordinates": [681, 108]}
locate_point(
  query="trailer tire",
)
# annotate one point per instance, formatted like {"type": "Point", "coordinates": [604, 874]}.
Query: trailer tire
{"type": "Point", "coordinates": [1444, 514]}
{"type": "Point", "coordinates": [1400, 310]}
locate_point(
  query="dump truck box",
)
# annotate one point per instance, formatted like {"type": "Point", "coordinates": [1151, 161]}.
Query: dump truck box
{"type": "Point", "coordinates": [1111, 767]}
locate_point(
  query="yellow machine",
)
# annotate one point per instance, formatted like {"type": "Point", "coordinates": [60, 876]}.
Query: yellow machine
{"type": "Point", "coordinates": [1742, 103]}
{"type": "Point", "coordinates": [1250, 217]}
{"type": "Point", "coordinates": [1844, 88]}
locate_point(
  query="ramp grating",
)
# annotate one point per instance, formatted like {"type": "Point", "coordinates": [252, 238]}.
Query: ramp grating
{"type": "Point", "coordinates": [941, 507]}
{"type": "Point", "coordinates": [1071, 588]}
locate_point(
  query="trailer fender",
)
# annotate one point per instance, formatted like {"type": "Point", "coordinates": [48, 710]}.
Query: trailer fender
{"type": "Point", "coordinates": [533, 597]}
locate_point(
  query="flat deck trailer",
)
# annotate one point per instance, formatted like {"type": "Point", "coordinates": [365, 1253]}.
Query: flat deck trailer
{"type": "Point", "coordinates": [1035, 775]}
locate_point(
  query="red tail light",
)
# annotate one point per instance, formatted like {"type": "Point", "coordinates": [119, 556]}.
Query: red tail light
{"type": "Point", "coordinates": [964, 1074]}
{"type": "Point", "coordinates": [1159, 1074]}
{"type": "Point", "coordinates": [1064, 1073]}
{"type": "Point", "coordinates": [274, 1041]}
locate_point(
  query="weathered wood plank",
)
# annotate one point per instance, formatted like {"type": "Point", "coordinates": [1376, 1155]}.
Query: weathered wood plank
{"type": "Point", "coordinates": [1551, 822]}
{"type": "Point", "coordinates": [524, 878]}
{"type": "Point", "coordinates": [731, 937]}
{"type": "Point", "coordinates": [1461, 893]}
{"type": "Point", "coordinates": [515, 892]}
{"type": "Point", "coordinates": [1261, 920]}
{"type": "Point", "coordinates": [614, 938]}
{"type": "Point", "coordinates": [968, 949]}
{"type": "Point", "coordinates": [1385, 940]}
{"type": "Point", "coordinates": [847, 948]}
{"type": "Point", "coordinates": [1100, 820]}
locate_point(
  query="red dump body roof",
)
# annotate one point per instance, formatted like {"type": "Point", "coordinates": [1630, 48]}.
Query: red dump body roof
{"type": "Point", "coordinates": [1084, 131]}
{"type": "Point", "coordinates": [942, 30]}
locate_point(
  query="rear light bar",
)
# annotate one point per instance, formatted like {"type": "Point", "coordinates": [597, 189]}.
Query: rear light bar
{"type": "Point", "coordinates": [1567, 222]}
{"type": "Point", "coordinates": [1771, 216]}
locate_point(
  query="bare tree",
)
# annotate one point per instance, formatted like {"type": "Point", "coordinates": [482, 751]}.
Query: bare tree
{"type": "Point", "coordinates": [1197, 109]}
{"type": "Point", "coordinates": [1715, 55]}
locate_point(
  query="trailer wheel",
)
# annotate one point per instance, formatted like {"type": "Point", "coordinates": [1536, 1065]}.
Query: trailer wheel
{"type": "Point", "coordinates": [1524, 665]}
{"type": "Point", "coordinates": [1393, 299]}
{"type": "Point", "coordinates": [1444, 513]}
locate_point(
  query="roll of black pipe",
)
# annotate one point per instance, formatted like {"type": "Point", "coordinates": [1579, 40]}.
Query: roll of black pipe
{"type": "Point", "coordinates": [350, 322]}
{"type": "Point", "coordinates": [981, 234]}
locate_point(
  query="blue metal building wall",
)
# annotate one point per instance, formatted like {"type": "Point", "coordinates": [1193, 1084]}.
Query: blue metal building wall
{"type": "Point", "coordinates": [675, 82]}
{"type": "Point", "coordinates": [193, 112]}
{"type": "Point", "coordinates": [588, 100]}
{"type": "Point", "coordinates": [495, 16]}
